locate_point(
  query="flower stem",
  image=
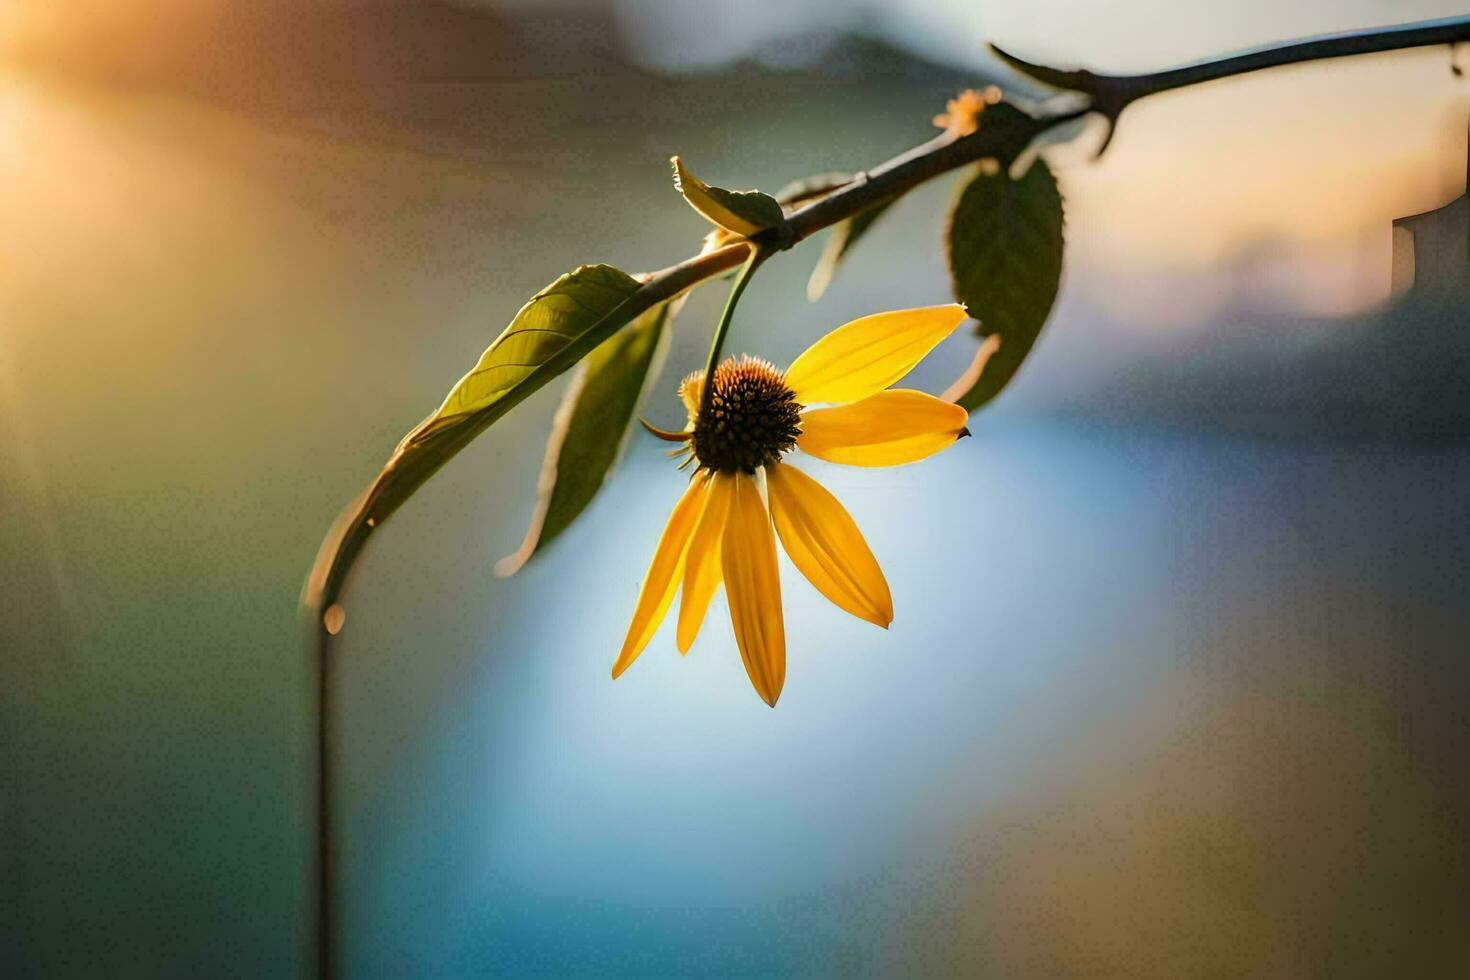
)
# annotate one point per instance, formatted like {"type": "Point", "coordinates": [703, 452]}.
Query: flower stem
{"type": "Point", "coordinates": [326, 776]}
{"type": "Point", "coordinates": [752, 262]}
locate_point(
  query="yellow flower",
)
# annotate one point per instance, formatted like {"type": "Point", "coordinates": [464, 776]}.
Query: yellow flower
{"type": "Point", "coordinates": [742, 496]}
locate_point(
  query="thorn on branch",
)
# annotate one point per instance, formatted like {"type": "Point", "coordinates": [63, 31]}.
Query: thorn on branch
{"type": "Point", "coordinates": [1108, 96]}
{"type": "Point", "coordinates": [1081, 80]}
{"type": "Point", "coordinates": [1112, 93]}
{"type": "Point", "coordinates": [1110, 119]}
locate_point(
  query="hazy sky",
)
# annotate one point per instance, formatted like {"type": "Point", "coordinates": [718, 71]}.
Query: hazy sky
{"type": "Point", "coordinates": [1322, 156]}
{"type": "Point", "coordinates": [1316, 159]}
{"type": "Point", "coordinates": [1119, 35]}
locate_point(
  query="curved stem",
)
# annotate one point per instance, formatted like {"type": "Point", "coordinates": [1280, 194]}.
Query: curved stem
{"type": "Point", "coordinates": [756, 257]}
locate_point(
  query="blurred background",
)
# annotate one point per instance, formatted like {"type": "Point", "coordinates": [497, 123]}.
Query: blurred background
{"type": "Point", "coordinates": [1178, 680]}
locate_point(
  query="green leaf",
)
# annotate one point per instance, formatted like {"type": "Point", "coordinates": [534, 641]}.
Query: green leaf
{"type": "Point", "coordinates": [743, 212]}
{"type": "Point", "coordinates": [559, 326]}
{"type": "Point", "coordinates": [1004, 245]}
{"type": "Point", "coordinates": [554, 318]}
{"type": "Point", "coordinates": [790, 197]}
{"type": "Point", "coordinates": [592, 426]}
{"type": "Point", "coordinates": [844, 236]}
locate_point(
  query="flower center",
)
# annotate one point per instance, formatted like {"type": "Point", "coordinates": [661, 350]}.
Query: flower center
{"type": "Point", "coordinates": [751, 420]}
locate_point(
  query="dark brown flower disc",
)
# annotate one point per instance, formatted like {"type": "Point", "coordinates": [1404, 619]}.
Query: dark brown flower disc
{"type": "Point", "coordinates": [751, 419]}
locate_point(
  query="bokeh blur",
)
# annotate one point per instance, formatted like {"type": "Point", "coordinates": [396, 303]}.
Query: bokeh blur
{"type": "Point", "coordinates": [1178, 680]}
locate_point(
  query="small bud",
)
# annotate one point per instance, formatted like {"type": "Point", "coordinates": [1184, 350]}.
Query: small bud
{"type": "Point", "coordinates": [962, 113]}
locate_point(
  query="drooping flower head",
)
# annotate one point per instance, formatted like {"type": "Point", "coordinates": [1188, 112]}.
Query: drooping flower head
{"type": "Point", "coordinates": [743, 494]}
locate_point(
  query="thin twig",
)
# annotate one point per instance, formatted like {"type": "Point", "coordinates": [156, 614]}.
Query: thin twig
{"type": "Point", "coordinates": [1120, 90]}
{"type": "Point", "coordinates": [326, 810]}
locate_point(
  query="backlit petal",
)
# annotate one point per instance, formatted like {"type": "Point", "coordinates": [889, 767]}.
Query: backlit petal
{"type": "Point", "coordinates": [867, 355]}
{"type": "Point", "coordinates": [753, 586]}
{"type": "Point", "coordinates": [825, 543]}
{"type": "Point", "coordinates": [664, 573]}
{"type": "Point", "coordinates": [886, 429]}
{"type": "Point", "coordinates": [702, 564]}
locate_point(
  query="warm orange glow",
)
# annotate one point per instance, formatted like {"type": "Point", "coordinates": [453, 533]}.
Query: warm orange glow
{"type": "Point", "coordinates": [1310, 155]}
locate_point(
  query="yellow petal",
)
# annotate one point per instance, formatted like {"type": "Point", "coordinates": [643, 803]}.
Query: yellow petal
{"type": "Point", "coordinates": [869, 354]}
{"type": "Point", "coordinates": [664, 572]}
{"type": "Point", "coordinates": [886, 429]}
{"type": "Point", "coordinates": [753, 585]}
{"type": "Point", "coordinates": [825, 543]}
{"type": "Point", "coordinates": [702, 565]}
